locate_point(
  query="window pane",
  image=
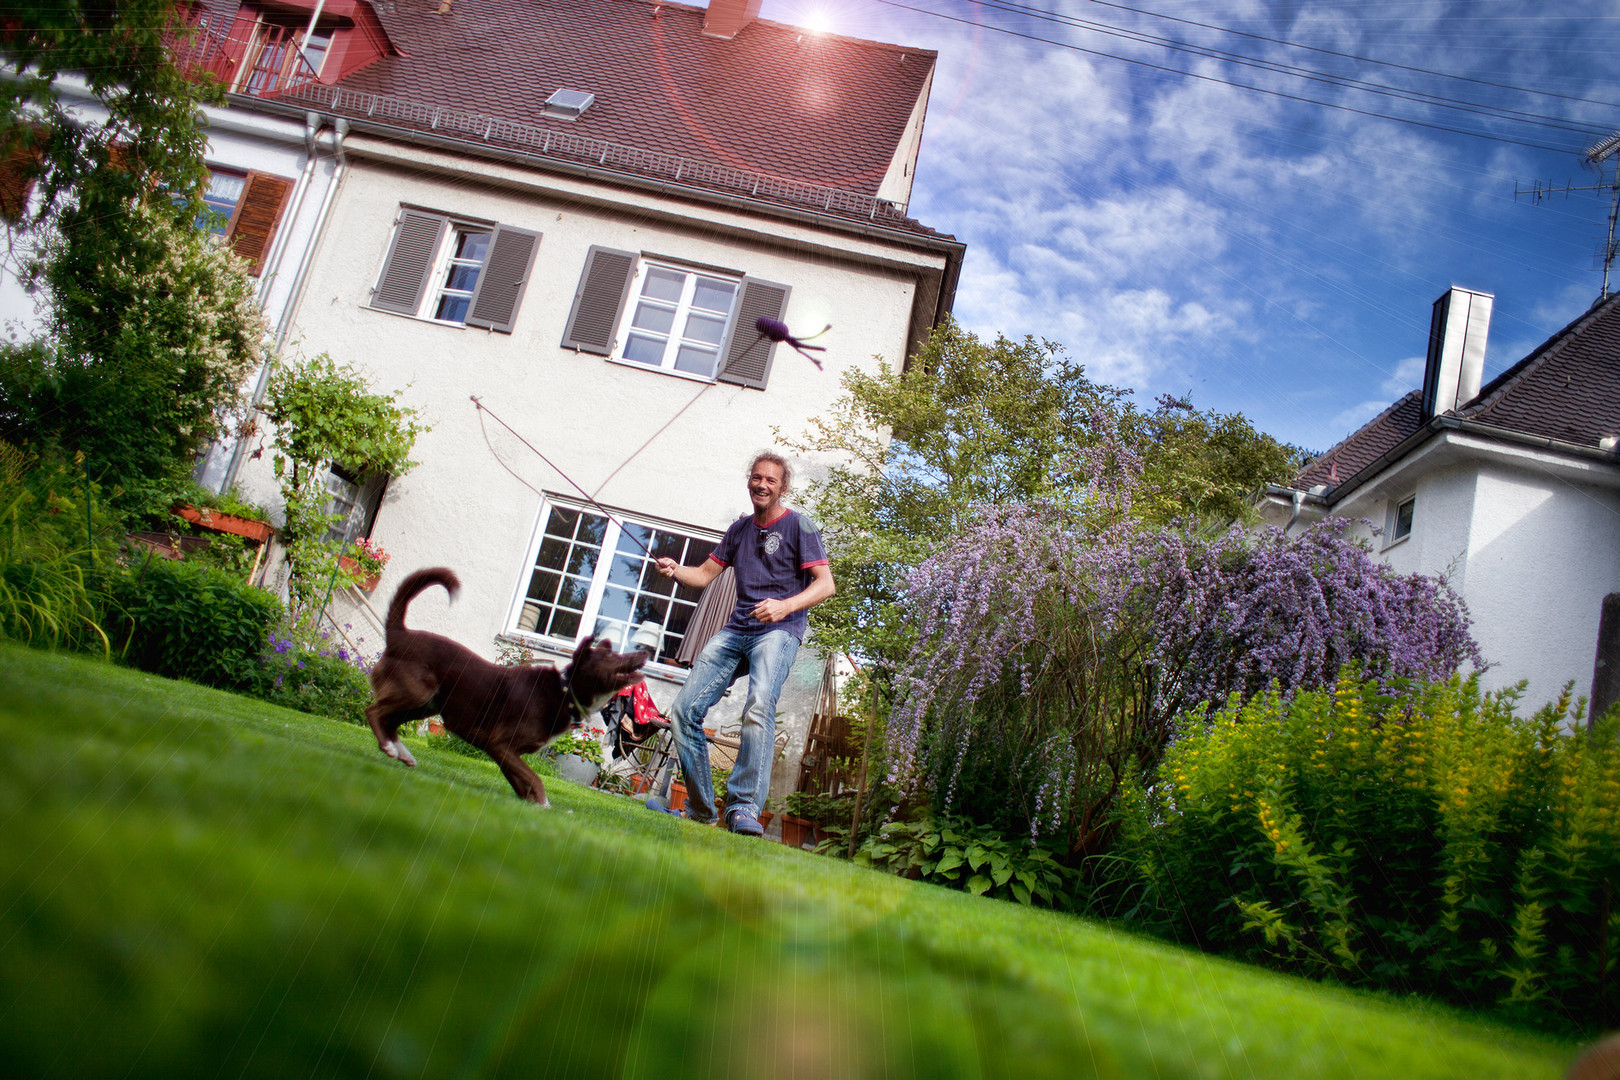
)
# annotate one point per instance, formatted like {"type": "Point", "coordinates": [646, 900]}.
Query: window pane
{"type": "Point", "coordinates": [616, 603]}
{"type": "Point", "coordinates": [561, 522]}
{"type": "Point", "coordinates": [592, 528]}
{"type": "Point", "coordinates": [543, 586]}
{"type": "Point", "coordinates": [651, 317]}
{"type": "Point", "coordinates": [553, 553]}
{"type": "Point", "coordinates": [705, 328]}
{"type": "Point", "coordinates": [624, 572]}
{"type": "Point", "coordinates": [616, 633]}
{"type": "Point", "coordinates": [472, 245]}
{"type": "Point", "coordinates": [654, 582]}
{"type": "Point", "coordinates": [574, 592]}
{"type": "Point", "coordinates": [644, 350]}
{"type": "Point", "coordinates": [650, 607]}
{"type": "Point", "coordinates": [697, 361]}
{"type": "Point", "coordinates": [452, 308]}
{"type": "Point", "coordinates": [663, 284]}
{"type": "Point", "coordinates": [633, 537]}
{"type": "Point", "coordinates": [462, 277]}
{"type": "Point", "coordinates": [564, 624]}
{"type": "Point", "coordinates": [582, 560]}
{"type": "Point", "coordinates": [714, 295]}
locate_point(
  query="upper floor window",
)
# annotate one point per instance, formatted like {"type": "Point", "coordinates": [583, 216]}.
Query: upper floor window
{"type": "Point", "coordinates": [590, 574]}
{"type": "Point", "coordinates": [455, 270]}
{"type": "Point", "coordinates": [646, 309]}
{"type": "Point", "coordinates": [245, 208]}
{"type": "Point", "coordinates": [224, 192]}
{"type": "Point", "coordinates": [680, 319]}
{"type": "Point", "coordinates": [1399, 526]}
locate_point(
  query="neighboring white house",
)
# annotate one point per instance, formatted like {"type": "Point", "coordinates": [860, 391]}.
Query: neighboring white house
{"type": "Point", "coordinates": [576, 215]}
{"type": "Point", "coordinates": [1511, 490]}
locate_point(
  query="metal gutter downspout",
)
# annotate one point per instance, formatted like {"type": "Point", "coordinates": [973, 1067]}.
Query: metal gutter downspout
{"type": "Point", "coordinates": [313, 121]}
{"type": "Point", "coordinates": [1299, 502]}
{"type": "Point", "coordinates": [340, 128]}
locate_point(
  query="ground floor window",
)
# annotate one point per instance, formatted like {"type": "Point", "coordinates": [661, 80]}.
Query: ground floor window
{"type": "Point", "coordinates": [588, 573]}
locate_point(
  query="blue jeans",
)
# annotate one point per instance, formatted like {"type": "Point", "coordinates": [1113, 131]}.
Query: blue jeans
{"type": "Point", "coordinates": [767, 656]}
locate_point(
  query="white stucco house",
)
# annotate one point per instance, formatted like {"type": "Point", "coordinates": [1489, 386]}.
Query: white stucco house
{"type": "Point", "coordinates": [1511, 490]}
{"type": "Point", "coordinates": [575, 216]}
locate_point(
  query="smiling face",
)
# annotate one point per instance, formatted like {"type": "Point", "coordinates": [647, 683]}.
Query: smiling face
{"type": "Point", "coordinates": [765, 487]}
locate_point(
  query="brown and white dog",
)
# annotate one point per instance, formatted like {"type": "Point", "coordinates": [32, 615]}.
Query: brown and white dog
{"type": "Point", "coordinates": [504, 711]}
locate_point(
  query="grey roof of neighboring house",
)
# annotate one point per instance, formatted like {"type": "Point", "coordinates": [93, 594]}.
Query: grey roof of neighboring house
{"type": "Point", "coordinates": [1566, 390]}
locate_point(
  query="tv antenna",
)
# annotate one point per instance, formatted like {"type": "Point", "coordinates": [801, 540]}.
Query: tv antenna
{"type": "Point", "coordinates": [1603, 158]}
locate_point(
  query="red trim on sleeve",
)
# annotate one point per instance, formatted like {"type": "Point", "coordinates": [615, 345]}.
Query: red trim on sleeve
{"type": "Point", "coordinates": [717, 559]}
{"type": "Point", "coordinates": [808, 565]}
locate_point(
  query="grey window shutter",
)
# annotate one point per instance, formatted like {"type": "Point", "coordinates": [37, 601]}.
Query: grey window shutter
{"type": "Point", "coordinates": [599, 300]}
{"type": "Point", "coordinates": [410, 257]}
{"type": "Point", "coordinates": [505, 276]}
{"type": "Point", "coordinates": [748, 353]}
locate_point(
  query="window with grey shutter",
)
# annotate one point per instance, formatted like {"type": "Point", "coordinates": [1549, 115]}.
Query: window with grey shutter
{"type": "Point", "coordinates": [748, 352]}
{"type": "Point", "coordinates": [410, 258]}
{"type": "Point", "coordinates": [506, 275]}
{"type": "Point", "coordinates": [599, 300]}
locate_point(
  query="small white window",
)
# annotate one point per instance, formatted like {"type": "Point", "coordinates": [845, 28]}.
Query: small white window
{"type": "Point", "coordinates": [677, 319]}
{"type": "Point", "coordinates": [353, 502]}
{"type": "Point", "coordinates": [463, 260]}
{"type": "Point", "coordinates": [1400, 520]}
{"type": "Point", "coordinates": [224, 192]}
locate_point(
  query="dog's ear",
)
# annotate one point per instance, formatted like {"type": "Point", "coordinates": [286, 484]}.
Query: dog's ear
{"type": "Point", "coordinates": [584, 647]}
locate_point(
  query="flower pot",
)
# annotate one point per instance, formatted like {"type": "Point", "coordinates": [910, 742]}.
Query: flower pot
{"type": "Point", "coordinates": [765, 817]}
{"type": "Point", "coordinates": [352, 568]}
{"type": "Point", "coordinates": [677, 795]}
{"type": "Point", "coordinates": [257, 531]}
{"type": "Point", "coordinates": [639, 784]}
{"type": "Point", "coordinates": [575, 768]}
{"type": "Point", "coordinates": [435, 725]}
{"type": "Point", "coordinates": [796, 831]}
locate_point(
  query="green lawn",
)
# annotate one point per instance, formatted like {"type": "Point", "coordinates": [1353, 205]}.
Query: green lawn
{"type": "Point", "coordinates": [193, 883]}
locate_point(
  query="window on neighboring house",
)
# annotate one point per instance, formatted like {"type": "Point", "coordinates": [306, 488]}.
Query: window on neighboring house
{"type": "Point", "coordinates": [1400, 520]}
{"type": "Point", "coordinates": [18, 169]}
{"type": "Point", "coordinates": [590, 574]}
{"type": "Point", "coordinates": [245, 208]}
{"type": "Point", "coordinates": [278, 56]}
{"type": "Point", "coordinates": [455, 271]}
{"type": "Point", "coordinates": [646, 309]}
{"type": "Point", "coordinates": [353, 500]}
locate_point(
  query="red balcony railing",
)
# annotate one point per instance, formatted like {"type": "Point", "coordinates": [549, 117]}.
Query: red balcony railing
{"type": "Point", "coordinates": [256, 58]}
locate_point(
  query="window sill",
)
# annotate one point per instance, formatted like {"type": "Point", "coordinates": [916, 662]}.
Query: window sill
{"type": "Point", "coordinates": [671, 372]}
{"type": "Point", "coordinates": [1395, 543]}
{"type": "Point", "coordinates": [552, 649]}
{"type": "Point", "coordinates": [424, 319]}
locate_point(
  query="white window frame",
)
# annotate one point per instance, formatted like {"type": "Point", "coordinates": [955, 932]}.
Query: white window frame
{"type": "Point", "coordinates": [590, 614]}
{"type": "Point", "coordinates": [447, 260]}
{"type": "Point", "coordinates": [683, 310]}
{"type": "Point", "coordinates": [1393, 524]}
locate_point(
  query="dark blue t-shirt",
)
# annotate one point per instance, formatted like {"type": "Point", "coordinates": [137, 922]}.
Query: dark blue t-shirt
{"type": "Point", "coordinates": [772, 563]}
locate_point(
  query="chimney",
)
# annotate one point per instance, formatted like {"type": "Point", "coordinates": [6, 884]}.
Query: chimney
{"type": "Point", "coordinates": [725, 17]}
{"type": "Point", "coordinates": [1451, 378]}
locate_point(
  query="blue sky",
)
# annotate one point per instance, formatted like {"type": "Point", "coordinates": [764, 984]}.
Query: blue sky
{"type": "Point", "coordinates": [1264, 255]}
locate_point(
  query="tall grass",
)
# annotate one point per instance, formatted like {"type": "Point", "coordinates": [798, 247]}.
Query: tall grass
{"type": "Point", "coordinates": [57, 547]}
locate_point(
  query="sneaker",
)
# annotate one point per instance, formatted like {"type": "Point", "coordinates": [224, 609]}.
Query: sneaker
{"type": "Point", "coordinates": [742, 820]}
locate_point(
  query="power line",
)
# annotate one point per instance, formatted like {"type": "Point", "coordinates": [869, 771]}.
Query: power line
{"type": "Point", "coordinates": [1224, 82]}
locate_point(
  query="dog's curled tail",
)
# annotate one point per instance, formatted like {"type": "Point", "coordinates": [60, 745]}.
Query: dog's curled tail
{"type": "Point", "coordinates": [413, 584]}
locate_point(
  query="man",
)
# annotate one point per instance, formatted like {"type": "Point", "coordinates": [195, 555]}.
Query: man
{"type": "Point", "coordinates": [782, 573]}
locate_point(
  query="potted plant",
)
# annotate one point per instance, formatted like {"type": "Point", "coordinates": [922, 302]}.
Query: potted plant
{"type": "Point", "coordinates": [578, 757]}
{"type": "Point", "coordinates": [808, 811]}
{"type": "Point", "coordinates": [364, 563]}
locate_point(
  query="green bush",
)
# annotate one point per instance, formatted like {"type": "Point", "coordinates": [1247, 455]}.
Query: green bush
{"type": "Point", "coordinates": [314, 681]}
{"type": "Point", "coordinates": [58, 544]}
{"type": "Point", "coordinates": [1432, 842]}
{"type": "Point", "coordinates": [191, 621]}
{"type": "Point", "coordinates": [956, 853]}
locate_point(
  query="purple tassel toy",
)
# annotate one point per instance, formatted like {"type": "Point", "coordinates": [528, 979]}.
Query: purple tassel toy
{"type": "Point", "coordinates": [776, 330]}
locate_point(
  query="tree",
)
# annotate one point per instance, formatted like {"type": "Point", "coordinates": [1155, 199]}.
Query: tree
{"type": "Point", "coordinates": [150, 328]}
{"type": "Point", "coordinates": [324, 413]}
{"type": "Point", "coordinates": [971, 424]}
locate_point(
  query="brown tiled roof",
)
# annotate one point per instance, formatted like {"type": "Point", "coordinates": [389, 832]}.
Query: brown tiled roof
{"type": "Point", "coordinates": [1567, 389]}
{"type": "Point", "coordinates": [813, 108]}
{"type": "Point", "coordinates": [1366, 445]}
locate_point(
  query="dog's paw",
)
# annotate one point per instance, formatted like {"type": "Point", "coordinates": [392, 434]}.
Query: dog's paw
{"type": "Point", "coordinates": [546, 805]}
{"type": "Point", "coordinates": [397, 749]}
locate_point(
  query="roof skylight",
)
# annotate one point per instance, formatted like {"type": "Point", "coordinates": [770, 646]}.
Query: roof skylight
{"type": "Point", "coordinates": [569, 104]}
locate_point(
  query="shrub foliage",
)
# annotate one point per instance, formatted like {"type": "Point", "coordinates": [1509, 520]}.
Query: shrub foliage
{"type": "Point", "coordinates": [1433, 841]}
{"type": "Point", "coordinates": [192, 621]}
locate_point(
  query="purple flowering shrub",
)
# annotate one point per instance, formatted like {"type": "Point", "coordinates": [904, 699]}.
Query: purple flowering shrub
{"type": "Point", "coordinates": [1056, 651]}
{"type": "Point", "coordinates": [316, 672]}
